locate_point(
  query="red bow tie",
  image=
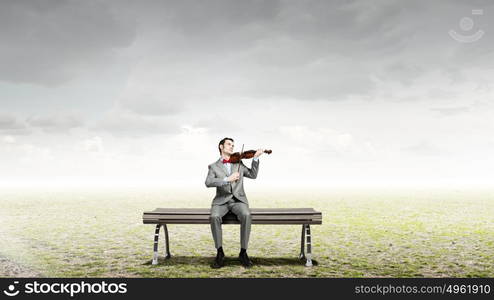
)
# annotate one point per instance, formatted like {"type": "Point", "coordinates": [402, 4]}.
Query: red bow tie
{"type": "Point", "coordinates": [226, 161]}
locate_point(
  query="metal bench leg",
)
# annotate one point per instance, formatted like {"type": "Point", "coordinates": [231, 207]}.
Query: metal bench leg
{"type": "Point", "coordinates": [302, 243]}
{"type": "Point", "coordinates": [308, 262]}
{"type": "Point", "coordinates": [167, 242]}
{"type": "Point", "coordinates": [155, 247]}
{"type": "Point", "coordinates": [156, 239]}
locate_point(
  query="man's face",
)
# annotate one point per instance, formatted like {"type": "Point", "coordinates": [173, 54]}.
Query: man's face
{"type": "Point", "coordinates": [228, 147]}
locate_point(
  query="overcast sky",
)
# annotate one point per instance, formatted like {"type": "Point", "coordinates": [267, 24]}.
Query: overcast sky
{"type": "Point", "coordinates": [343, 92]}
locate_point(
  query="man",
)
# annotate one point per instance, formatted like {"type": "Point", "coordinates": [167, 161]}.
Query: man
{"type": "Point", "coordinates": [230, 196]}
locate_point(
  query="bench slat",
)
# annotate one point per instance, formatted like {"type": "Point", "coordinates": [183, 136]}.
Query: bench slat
{"type": "Point", "coordinates": [259, 216]}
{"type": "Point", "coordinates": [254, 217]}
{"type": "Point", "coordinates": [280, 222]}
{"type": "Point", "coordinates": [206, 211]}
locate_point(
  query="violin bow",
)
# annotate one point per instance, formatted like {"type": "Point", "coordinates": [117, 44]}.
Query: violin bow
{"type": "Point", "coordinates": [240, 159]}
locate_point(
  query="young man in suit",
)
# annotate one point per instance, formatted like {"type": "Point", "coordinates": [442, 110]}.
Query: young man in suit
{"type": "Point", "coordinates": [227, 177]}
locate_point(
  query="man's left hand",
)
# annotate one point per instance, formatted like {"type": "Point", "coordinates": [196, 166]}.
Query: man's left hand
{"type": "Point", "coordinates": [259, 152]}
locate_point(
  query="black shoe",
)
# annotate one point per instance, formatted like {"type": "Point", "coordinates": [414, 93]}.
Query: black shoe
{"type": "Point", "coordinates": [245, 260]}
{"type": "Point", "coordinates": [219, 261]}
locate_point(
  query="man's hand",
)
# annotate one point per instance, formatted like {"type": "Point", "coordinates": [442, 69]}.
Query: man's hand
{"type": "Point", "coordinates": [259, 152]}
{"type": "Point", "coordinates": [234, 177]}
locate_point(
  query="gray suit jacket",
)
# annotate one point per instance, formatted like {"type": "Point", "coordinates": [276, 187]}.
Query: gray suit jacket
{"type": "Point", "coordinates": [224, 192]}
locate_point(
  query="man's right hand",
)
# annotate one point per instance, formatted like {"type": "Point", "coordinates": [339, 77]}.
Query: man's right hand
{"type": "Point", "coordinates": [234, 177]}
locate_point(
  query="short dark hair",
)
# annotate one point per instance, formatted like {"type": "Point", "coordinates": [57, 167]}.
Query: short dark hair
{"type": "Point", "coordinates": [222, 142]}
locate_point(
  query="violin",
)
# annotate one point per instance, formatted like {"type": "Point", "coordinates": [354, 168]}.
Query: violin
{"type": "Point", "coordinates": [237, 156]}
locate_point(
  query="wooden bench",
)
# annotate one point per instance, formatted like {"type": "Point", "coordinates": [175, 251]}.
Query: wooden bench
{"type": "Point", "coordinates": [272, 216]}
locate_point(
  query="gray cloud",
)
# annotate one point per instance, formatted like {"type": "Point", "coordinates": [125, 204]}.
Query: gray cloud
{"type": "Point", "coordinates": [425, 148]}
{"type": "Point", "coordinates": [193, 49]}
{"type": "Point", "coordinates": [199, 18]}
{"type": "Point", "coordinates": [306, 50]}
{"type": "Point", "coordinates": [218, 124]}
{"type": "Point", "coordinates": [149, 104]}
{"type": "Point", "coordinates": [123, 122]}
{"type": "Point", "coordinates": [451, 111]}
{"type": "Point", "coordinates": [56, 122]}
{"type": "Point", "coordinates": [10, 124]}
{"type": "Point", "coordinates": [52, 41]}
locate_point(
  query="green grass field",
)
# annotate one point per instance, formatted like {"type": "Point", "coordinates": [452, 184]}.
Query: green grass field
{"type": "Point", "coordinates": [365, 233]}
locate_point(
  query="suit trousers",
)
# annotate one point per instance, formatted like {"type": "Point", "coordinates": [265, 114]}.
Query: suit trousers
{"type": "Point", "coordinates": [241, 210]}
